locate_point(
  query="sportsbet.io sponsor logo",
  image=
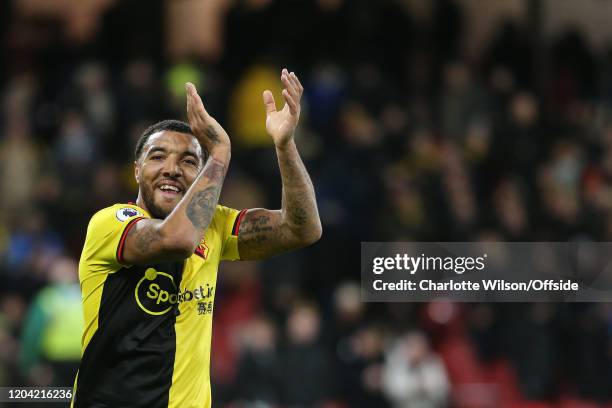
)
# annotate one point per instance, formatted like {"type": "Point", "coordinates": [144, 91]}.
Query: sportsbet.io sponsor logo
{"type": "Point", "coordinates": [156, 293]}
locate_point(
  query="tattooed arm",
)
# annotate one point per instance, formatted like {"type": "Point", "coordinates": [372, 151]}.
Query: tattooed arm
{"type": "Point", "coordinates": [177, 236]}
{"type": "Point", "coordinates": [264, 233]}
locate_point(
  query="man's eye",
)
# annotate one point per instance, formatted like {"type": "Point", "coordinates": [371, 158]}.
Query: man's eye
{"type": "Point", "coordinates": [191, 162]}
{"type": "Point", "coordinates": [156, 157]}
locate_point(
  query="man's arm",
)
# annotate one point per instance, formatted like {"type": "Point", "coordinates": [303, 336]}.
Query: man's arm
{"type": "Point", "coordinates": [264, 233]}
{"type": "Point", "coordinates": [177, 237]}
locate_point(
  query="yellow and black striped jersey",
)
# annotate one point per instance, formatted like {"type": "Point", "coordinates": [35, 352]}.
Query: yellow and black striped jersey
{"type": "Point", "coordinates": [147, 335]}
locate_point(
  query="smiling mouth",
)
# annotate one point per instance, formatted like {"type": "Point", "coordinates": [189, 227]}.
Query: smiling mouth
{"type": "Point", "coordinates": [170, 190]}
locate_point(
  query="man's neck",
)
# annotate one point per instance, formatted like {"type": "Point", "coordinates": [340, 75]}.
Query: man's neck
{"type": "Point", "coordinates": [140, 203]}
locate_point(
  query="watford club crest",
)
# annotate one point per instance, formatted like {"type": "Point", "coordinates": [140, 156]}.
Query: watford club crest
{"type": "Point", "coordinates": [202, 249]}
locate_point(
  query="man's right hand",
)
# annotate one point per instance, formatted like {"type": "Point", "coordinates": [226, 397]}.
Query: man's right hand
{"type": "Point", "coordinates": [206, 129]}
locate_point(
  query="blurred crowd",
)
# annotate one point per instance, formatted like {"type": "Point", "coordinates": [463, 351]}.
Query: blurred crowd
{"type": "Point", "coordinates": [406, 139]}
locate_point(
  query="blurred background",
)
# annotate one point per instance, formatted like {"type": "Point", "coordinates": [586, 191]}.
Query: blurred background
{"type": "Point", "coordinates": [441, 120]}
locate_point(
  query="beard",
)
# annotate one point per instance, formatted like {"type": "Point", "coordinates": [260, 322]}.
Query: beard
{"type": "Point", "coordinates": [156, 211]}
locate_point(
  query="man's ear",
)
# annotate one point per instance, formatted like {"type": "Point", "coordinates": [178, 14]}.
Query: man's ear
{"type": "Point", "coordinates": [137, 172]}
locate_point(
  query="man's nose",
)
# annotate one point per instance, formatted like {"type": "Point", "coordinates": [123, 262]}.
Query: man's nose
{"type": "Point", "coordinates": [172, 168]}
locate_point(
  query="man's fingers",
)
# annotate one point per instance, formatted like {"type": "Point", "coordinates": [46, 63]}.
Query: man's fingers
{"type": "Point", "coordinates": [294, 81]}
{"type": "Point", "coordinates": [199, 105]}
{"type": "Point", "coordinates": [268, 100]}
{"type": "Point", "coordinates": [195, 106]}
{"type": "Point", "coordinates": [290, 101]}
{"type": "Point", "coordinates": [191, 92]}
{"type": "Point", "coordinates": [298, 83]}
{"type": "Point", "coordinates": [190, 107]}
{"type": "Point", "coordinates": [289, 84]}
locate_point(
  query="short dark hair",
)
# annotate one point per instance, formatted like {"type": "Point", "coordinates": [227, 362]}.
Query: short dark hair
{"type": "Point", "coordinates": [168, 124]}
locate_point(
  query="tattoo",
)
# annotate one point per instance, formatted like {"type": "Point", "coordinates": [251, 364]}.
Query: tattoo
{"type": "Point", "coordinates": [211, 133]}
{"type": "Point", "coordinates": [144, 238]}
{"type": "Point", "coordinates": [255, 225]}
{"type": "Point", "coordinates": [298, 215]}
{"type": "Point", "coordinates": [258, 239]}
{"type": "Point", "coordinates": [261, 236]}
{"type": "Point", "coordinates": [215, 170]}
{"type": "Point", "coordinates": [298, 192]}
{"type": "Point", "coordinates": [201, 207]}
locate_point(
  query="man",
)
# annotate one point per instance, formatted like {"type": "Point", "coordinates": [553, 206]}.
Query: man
{"type": "Point", "coordinates": [148, 270]}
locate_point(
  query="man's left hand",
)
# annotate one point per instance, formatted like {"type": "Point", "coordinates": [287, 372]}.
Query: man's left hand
{"type": "Point", "coordinates": [281, 124]}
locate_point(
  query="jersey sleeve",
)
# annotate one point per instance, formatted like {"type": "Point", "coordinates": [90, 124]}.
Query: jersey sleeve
{"type": "Point", "coordinates": [228, 221]}
{"type": "Point", "coordinates": [106, 234]}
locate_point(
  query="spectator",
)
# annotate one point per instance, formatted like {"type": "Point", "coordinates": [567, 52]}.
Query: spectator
{"type": "Point", "coordinates": [413, 375]}
{"type": "Point", "coordinates": [258, 380]}
{"type": "Point", "coordinates": [360, 362]}
{"type": "Point", "coordinates": [51, 346]}
{"type": "Point", "coordinates": [305, 364]}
